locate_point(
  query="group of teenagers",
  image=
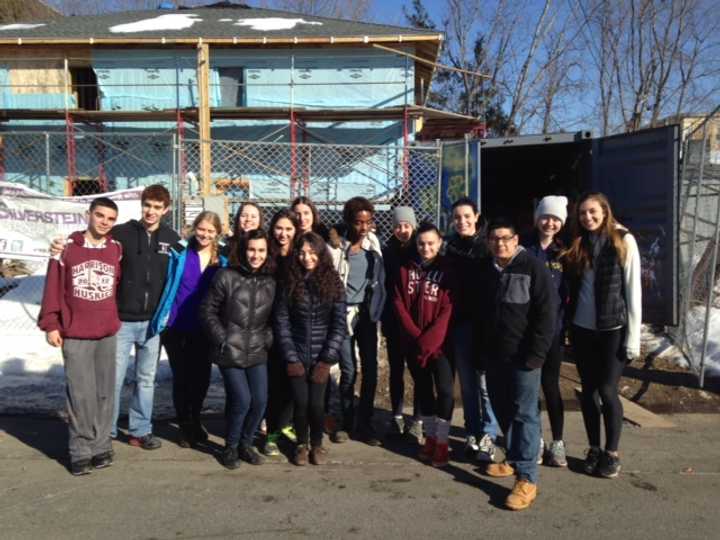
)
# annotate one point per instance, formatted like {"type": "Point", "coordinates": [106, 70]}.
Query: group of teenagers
{"type": "Point", "coordinates": [288, 314]}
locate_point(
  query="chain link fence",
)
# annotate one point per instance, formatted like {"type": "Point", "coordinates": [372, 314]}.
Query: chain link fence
{"type": "Point", "coordinates": [269, 174]}
{"type": "Point", "coordinates": [273, 174]}
{"type": "Point", "coordinates": [698, 334]}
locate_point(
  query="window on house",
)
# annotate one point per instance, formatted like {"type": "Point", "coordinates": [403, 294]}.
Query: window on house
{"type": "Point", "coordinates": [232, 93]}
{"type": "Point", "coordinates": [85, 88]}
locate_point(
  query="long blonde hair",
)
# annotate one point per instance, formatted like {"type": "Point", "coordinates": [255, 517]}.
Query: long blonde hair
{"type": "Point", "coordinates": [578, 257]}
{"type": "Point", "coordinates": [216, 222]}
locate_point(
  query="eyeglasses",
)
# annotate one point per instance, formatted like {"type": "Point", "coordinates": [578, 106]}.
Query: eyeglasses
{"type": "Point", "coordinates": [501, 239]}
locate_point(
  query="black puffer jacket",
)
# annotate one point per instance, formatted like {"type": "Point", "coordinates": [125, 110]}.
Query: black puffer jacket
{"type": "Point", "coordinates": [235, 315]}
{"type": "Point", "coordinates": [310, 330]}
{"type": "Point", "coordinates": [466, 254]}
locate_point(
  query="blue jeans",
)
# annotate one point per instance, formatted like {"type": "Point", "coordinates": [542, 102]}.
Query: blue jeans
{"type": "Point", "coordinates": [246, 391]}
{"type": "Point", "coordinates": [365, 337]}
{"type": "Point", "coordinates": [479, 417]}
{"type": "Point", "coordinates": [514, 392]}
{"type": "Point", "coordinates": [147, 354]}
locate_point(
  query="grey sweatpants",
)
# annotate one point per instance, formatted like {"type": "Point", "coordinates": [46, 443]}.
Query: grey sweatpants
{"type": "Point", "coordinates": [90, 378]}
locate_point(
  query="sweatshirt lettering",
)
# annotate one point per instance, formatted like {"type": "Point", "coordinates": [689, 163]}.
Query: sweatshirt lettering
{"type": "Point", "coordinates": [93, 280]}
{"type": "Point", "coordinates": [427, 284]}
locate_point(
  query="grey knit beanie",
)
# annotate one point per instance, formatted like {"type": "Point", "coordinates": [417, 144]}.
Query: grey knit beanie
{"type": "Point", "coordinates": [406, 214]}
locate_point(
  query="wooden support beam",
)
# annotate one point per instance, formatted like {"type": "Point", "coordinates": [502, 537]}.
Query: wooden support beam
{"type": "Point", "coordinates": [203, 81]}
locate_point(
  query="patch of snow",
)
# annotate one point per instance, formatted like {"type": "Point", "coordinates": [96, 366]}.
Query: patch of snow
{"type": "Point", "coordinates": [267, 24]}
{"type": "Point", "coordinates": [172, 21]}
{"type": "Point", "coordinates": [20, 26]}
{"type": "Point", "coordinates": [226, 20]}
{"type": "Point", "coordinates": [695, 328]}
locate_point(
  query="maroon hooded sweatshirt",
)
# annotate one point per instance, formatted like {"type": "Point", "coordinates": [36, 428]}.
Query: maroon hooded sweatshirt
{"type": "Point", "coordinates": [80, 288]}
{"type": "Point", "coordinates": [423, 300]}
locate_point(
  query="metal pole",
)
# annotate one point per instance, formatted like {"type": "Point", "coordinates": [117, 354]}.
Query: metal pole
{"type": "Point", "coordinates": [467, 165]}
{"type": "Point", "coordinates": [438, 183]}
{"type": "Point", "coordinates": [177, 187]}
{"type": "Point", "coordinates": [693, 237]}
{"type": "Point", "coordinates": [47, 161]}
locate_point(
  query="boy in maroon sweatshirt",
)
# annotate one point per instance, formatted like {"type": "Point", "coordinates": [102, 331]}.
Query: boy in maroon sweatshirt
{"type": "Point", "coordinates": [423, 301]}
{"type": "Point", "coordinates": [79, 313]}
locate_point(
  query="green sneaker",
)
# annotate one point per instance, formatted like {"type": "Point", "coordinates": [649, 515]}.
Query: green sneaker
{"type": "Point", "coordinates": [289, 433]}
{"type": "Point", "coordinates": [270, 448]}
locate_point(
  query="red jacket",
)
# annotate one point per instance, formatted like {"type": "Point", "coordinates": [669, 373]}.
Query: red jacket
{"type": "Point", "coordinates": [79, 298]}
{"type": "Point", "coordinates": [423, 300]}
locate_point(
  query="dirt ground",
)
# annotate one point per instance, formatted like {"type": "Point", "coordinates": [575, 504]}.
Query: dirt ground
{"type": "Point", "coordinates": [656, 384]}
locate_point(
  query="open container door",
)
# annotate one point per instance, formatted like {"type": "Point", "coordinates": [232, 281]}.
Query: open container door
{"type": "Point", "coordinates": [639, 174]}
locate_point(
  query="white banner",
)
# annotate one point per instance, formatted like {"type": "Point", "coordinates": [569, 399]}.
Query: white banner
{"type": "Point", "coordinates": [29, 219]}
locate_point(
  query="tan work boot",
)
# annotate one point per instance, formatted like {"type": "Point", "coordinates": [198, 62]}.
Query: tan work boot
{"type": "Point", "coordinates": [301, 455]}
{"type": "Point", "coordinates": [318, 455]}
{"type": "Point", "coordinates": [522, 495]}
{"type": "Point", "coordinates": [500, 470]}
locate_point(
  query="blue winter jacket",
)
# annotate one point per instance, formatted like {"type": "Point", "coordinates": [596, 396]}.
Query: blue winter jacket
{"type": "Point", "coordinates": [176, 267]}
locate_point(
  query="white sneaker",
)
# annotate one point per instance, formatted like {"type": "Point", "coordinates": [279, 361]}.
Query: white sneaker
{"type": "Point", "coordinates": [486, 452]}
{"type": "Point", "coordinates": [471, 446]}
{"type": "Point", "coordinates": [541, 452]}
{"type": "Point", "coordinates": [556, 454]}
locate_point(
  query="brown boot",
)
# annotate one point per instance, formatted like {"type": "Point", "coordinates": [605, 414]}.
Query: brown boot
{"type": "Point", "coordinates": [318, 455]}
{"type": "Point", "coordinates": [301, 455]}
{"type": "Point", "coordinates": [500, 470]}
{"type": "Point", "coordinates": [523, 494]}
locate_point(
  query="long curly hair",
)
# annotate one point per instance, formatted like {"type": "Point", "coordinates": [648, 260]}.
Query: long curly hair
{"type": "Point", "coordinates": [578, 257]}
{"type": "Point", "coordinates": [323, 282]}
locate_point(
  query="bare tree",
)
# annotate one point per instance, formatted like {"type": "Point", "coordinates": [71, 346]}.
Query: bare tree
{"type": "Point", "coordinates": [355, 10]}
{"type": "Point", "coordinates": [650, 58]}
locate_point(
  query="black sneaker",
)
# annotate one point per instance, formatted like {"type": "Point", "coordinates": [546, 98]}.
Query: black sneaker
{"type": "Point", "coordinates": [591, 460]}
{"type": "Point", "coordinates": [103, 460]}
{"type": "Point", "coordinates": [146, 442]}
{"type": "Point", "coordinates": [80, 467]}
{"type": "Point", "coordinates": [229, 458]}
{"type": "Point", "coordinates": [367, 435]}
{"type": "Point", "coordinates": [199, 432]}
{"type": "Point", "coordinates": [186, 437]}
{"type": "Point", "coordinates": [608, 466]}
{"type": "Point", "coordinates": [396, 427]}
{"type": "Point", "coordinates": [252, 456]}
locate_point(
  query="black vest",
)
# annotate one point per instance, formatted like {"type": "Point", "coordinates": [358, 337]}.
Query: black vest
{"type": "Point", "coordinates": [610, 303]}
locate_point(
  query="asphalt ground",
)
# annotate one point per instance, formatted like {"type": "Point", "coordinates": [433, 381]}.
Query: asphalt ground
{"type": "Point", "coordinates": [669, 488]}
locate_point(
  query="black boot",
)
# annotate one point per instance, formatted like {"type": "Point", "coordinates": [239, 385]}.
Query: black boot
{"type": "Point", "coordinates": [186, 437]}
{"type": "Point", "coordinates": [229, 457]}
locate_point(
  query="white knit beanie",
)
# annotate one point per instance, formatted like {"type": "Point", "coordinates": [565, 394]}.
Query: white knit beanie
{"type": "Point", "coordinates": [552, 205]}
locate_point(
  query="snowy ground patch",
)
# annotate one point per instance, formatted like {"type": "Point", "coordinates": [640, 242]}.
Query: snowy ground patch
{"type": "Point", "coordinates": [172, 21]}
{"type": "Point", "coordinates": [695, 328]}
{"type": "Point", "coordinates": [32, 377]}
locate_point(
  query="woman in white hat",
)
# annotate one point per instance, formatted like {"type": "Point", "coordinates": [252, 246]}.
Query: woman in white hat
{"type": "Point", "coordinates": [544, 243]}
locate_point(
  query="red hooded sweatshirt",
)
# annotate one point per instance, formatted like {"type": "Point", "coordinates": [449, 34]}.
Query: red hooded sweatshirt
{"type": "Point", "coordinates": [423, 300]}
{"type": "Point", "coordinates": [80, 287]}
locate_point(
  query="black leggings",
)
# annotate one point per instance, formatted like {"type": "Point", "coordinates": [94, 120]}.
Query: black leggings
{"type": "Point", "coordinates": [600, 363]}
{"type": "Point", "coordinates": [280, 404]}
{"type": "Point", "coordinates": [434, 384]}
{"type": "Point", "coordinates": [550, 381]}
{"type": "Point", "coordinates": [191, 368]}
{"type": "Point", "coordinates": [397, 360]}
{"type": "Point", "coordinates": [309, 402]}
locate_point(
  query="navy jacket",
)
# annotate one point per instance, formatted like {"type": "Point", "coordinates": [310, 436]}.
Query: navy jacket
{"type": "Point", "coordinates": [309, 331]}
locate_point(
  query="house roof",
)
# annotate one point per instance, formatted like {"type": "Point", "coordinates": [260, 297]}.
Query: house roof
{"type": "Point", "coordinates": [209, 24]}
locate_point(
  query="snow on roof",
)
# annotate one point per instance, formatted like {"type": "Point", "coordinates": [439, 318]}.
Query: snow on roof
{"type": "Point", "coordinates": [172, 21]}
{"type": "Point", "coordinates": [267, 24]}
{"type": "Point", "coordinates": [20, 26]}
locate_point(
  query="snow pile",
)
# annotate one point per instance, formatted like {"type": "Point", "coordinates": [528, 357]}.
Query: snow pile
{"type": "Point", "coordinates": [172, 21]}
{"type": "Point", "coordinates": [695, 328]}
{"type": "Point", "coordinates": [32, 377]}
{"type": "Point", "coordinates": [268, 24]}
{"type": "Point", "coordinates": [20, 26]}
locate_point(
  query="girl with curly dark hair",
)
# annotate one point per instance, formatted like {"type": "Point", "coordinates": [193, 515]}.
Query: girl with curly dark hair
{"type": "Point", "coordinates": [310, 328]}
